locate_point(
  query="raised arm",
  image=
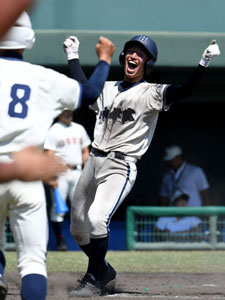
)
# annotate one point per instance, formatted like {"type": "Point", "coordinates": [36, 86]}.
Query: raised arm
{"type": "Point", "coordinates": [176, 92]}
{"type": "Point", "coordinates": [71, 48]}
{"type": "Point", "coordinates": [94, 85]}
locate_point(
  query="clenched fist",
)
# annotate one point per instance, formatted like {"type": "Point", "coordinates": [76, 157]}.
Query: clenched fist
{"type": "Point", "coordinates": [71, 47]}
{"type": "Point", "coordinates": [210, 52]}
{"type": "Point", "coordinates": [105, 49]}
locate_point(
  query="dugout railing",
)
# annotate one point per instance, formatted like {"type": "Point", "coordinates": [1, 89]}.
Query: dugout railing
{"type": "Point", "coordinates": [143, 234]}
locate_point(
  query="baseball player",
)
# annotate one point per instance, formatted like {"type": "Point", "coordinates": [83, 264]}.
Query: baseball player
{"type": "Point", "coordinates": [69, 141]}
{"type": "Point", "coordinates": [126, 116]}
{"type": "Point", "coordinates": [31, 97]}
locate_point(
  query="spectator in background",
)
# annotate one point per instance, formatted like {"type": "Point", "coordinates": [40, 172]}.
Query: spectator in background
{"type": "Point", "coordinates": [69, 141]}
{"type": "Point", "coordinates": [178, 228]}
{"type": "Point", "coordinates": [184, 176]}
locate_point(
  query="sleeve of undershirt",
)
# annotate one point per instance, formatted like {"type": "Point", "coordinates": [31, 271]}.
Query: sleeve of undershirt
{"type": "Point", "coordinates": [76, 70]}
{"type": "Point", "coordinates": [92, 87]}
{"type": "Point", "coordinates": [179, 91]}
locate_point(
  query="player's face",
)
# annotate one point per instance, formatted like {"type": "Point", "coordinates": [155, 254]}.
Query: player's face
{"type": "Point", "coordinates": [176, 162]}
{"type": "Point", "coordinates": [135, 59]}
{"type": "Point", "coordinates": [66, 117]}
{"type": "Point", "coordinates": [181, 202]}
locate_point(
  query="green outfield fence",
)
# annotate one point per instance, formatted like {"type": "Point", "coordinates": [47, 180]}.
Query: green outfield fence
{"type": "Point", "coordinates": [142, 234]}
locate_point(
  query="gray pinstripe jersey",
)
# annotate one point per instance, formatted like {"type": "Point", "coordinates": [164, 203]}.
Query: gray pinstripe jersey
{"type": "Point", "coordinates": [127, 117]}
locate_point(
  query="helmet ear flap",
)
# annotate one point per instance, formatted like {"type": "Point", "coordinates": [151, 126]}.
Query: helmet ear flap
{"type": "Point", "coordinates": [121, 58]}
{"type": "Point", "coordinates": [149, 66]}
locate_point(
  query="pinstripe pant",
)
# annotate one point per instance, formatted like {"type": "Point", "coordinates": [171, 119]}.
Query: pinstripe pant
{"type": "Point", "coordinates": [104, 184]}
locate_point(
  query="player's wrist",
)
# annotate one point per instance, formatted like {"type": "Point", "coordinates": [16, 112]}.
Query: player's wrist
{"type": "Point", "coordinates": [205, 62]}
{"type": "Point", "coordinates": [72, 55]}
{"type": "Point", "coordinates": [210, 52]}
{"type": "Point", "coordinates": [105, 58]}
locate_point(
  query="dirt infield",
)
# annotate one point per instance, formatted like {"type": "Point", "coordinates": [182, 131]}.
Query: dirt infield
{"type": "Point", "coordinates": [179, 286]}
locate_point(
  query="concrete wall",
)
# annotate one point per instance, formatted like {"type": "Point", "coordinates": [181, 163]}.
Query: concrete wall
{"type": "Point", "coordinates": [176, 49]}
{"type": "Point", "coordinates": [182, 29]}
{"type": "Point", "coordinates": [141, 15]}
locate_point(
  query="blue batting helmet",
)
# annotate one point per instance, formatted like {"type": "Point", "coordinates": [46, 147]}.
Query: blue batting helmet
{"type": "Point", "coordinates": [148, 44]}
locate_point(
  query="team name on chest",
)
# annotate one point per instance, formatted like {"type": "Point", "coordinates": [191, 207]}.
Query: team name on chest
{"type": "Point", "coordinates": [117, 114]}
{"type": "Point", "coordinates": [69, 141]}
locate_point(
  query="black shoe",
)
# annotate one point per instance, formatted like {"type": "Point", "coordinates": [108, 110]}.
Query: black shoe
{"type": "Point", "coordinates": [61, 244]}
{"type": "Point", "coordinates": [3, 289]}
{"type": "Point", "coordinates": [108, 280]}
{"type": "Point", "coordinates": [87, 288]}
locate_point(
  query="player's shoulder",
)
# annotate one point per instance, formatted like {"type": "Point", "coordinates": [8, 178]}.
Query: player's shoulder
{"type": "Point", "coordinates": [46, 72]}
{"type": "Point", "coordinates": [56, 127]}
{"type": "Point", "coordinates": [194, 170]}
{"type": "Point", "coordinates": [77, 126]}
{"type": "Point", "coordinates": [44, 69]}
{"type": "Point", "coordinates": [22, 66]}
{"type": "Point", "coordinates": [193, 167]}
{"type": "Point", "coordinates": [156, 86]}
{"type": "Point", "coordinates": [112, 84]}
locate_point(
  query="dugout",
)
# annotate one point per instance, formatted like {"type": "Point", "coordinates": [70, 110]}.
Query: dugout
{"type": "Point", "coordinates": [182, 30]}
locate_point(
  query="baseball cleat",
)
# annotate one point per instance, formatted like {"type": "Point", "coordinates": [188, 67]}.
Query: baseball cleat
{"type": "Point", "coordinates": [3, 289]}
{"type": "Point", "coordinates": [87, 288]}
{"type": "Point", "coordinates": [108, 281]}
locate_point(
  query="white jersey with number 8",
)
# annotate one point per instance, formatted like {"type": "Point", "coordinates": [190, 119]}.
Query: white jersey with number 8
{"type": "Point", "coordinates": [30, 102]}
{"type": "Point", "coordinates": [31, 97]}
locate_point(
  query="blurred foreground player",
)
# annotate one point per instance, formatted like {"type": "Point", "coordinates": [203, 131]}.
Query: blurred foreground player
{"type": "Point", "coordinates": [126, 116]}
{"type": "Point", "coordinates": [21, 168]}
{"type": "Point", "coordinates": [31, 97]}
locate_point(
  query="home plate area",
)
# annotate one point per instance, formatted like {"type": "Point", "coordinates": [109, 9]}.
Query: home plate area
{"type": "Point", "coordinates": [201, 286]}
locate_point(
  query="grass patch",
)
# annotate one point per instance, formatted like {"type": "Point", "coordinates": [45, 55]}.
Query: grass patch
{"type": "Point", "coordinates": [136, 261]}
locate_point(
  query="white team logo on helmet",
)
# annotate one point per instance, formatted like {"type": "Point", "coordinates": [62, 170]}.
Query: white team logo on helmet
{"type": "Point", "coordinates": [20, 36]}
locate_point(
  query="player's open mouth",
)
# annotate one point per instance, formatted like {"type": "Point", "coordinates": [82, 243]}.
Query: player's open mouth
{"type": "Point", "coordinates": [131, 65]}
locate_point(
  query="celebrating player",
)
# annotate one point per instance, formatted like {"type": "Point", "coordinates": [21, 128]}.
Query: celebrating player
{"type": "Point", "coordinates": [31, 97]}
{"type": "Point", "coordinates": [127, 113]}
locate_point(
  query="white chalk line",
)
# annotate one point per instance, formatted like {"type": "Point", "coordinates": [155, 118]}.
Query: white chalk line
{"type": "Point", "coordinates": [128, 295]}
